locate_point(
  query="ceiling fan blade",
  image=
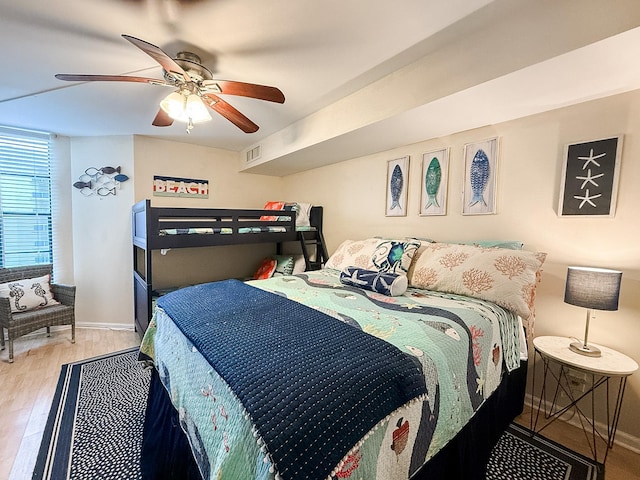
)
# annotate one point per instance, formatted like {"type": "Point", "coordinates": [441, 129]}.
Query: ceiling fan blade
{"type": "Point", "coordinates": [230, 113]}
{"type": "Point", "coordinates": [162, 119]}
{"type": "Point", "coordinates": [110, 78]}
{"type": "Point", "coordinates": [252, 90]}
{"type": "Point", "coordinates": [159, 56]}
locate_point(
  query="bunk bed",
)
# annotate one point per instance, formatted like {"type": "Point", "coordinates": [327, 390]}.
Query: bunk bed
{"type": "Point", "coordinates": [163, 228]}
{"type": "Point", "coordinates": [239, 389]}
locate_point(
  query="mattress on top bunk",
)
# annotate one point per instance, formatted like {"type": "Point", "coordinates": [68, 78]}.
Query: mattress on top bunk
{"type": "Point", "coordinates": [460, 345]}
{"type": "Point", "coordinates": [227, 230]}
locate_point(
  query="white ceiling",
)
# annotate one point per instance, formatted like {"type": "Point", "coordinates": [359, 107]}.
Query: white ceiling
{"type": "Point", "coordinates": [316, 52]}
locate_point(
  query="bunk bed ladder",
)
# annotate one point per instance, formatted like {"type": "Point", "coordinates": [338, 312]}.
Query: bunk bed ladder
{"type": "Point", "coordinates": [316, 256]}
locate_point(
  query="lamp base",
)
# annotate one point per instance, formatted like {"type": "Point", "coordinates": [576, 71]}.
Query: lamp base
{"type": "Point", "coordinates": [582, 349]}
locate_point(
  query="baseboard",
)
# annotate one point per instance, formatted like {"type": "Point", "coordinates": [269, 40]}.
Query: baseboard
{"type": "Point", "coordinates": [97, 326]}
{"type": "Point", "coordinates": [105, 326]}
{"type": "Point", "coordinates": [622, 439]}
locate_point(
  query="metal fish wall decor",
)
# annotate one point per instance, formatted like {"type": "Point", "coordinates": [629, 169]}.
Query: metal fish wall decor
{"type": "Point", "coordinates": [103, 181]}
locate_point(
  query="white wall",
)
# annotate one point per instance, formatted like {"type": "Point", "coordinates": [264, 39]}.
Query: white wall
{"type": "Point", "coordinates": [353, 195]}
{"type": "Point", "coordinates": [227, 189]}
{"type": "Point", "coordinates": [102, 236]}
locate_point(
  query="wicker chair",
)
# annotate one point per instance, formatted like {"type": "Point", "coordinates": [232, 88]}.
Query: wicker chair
{"type": "Point", "coordinates": [18, 324]}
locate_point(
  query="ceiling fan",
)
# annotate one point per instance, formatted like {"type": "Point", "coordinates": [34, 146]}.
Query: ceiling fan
{"type": "Point", "coordinates": [195, 88]}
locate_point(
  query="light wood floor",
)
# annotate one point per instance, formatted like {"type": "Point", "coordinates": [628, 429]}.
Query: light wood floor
{"type": "Point", "coordinates": [27, 387]}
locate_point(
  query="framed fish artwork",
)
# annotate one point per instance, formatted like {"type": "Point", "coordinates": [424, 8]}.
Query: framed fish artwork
{"type": "Point", "coordinates": [397, 186]}
{"type": "Point", "coordinates": [433, 182]}
{"type": "Point", "coordinates": [590, 175]}
{"type": "Point", "coordinates": [480, 177]}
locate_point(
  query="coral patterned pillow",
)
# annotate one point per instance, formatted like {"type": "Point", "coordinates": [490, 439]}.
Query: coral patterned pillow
{"type": "Point", "coordinates": [355, 253]}
{"type": "Point", "coordinates": [505, 277]}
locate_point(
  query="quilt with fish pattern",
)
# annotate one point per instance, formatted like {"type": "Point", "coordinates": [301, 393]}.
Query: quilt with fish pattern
{"type": "Point", "coordinates": [459, 345]}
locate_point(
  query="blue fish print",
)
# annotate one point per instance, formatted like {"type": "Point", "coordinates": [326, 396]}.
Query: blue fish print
{"type": "Point", "coordinates": [396, 185]}
{"type": "Point", "coordinates": [432, 182]}
{"type": "Point", "coordinates": [479, 174]}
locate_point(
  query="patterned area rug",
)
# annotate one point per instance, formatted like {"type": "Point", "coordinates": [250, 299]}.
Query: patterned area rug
{"type": "Point", "coordinates": [94, 430]}
{"type": "Point", "coordinates": [521, 456]}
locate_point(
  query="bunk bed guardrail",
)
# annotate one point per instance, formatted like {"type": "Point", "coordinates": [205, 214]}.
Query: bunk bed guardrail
{"type": "Point", "coordinates": [175, 227]}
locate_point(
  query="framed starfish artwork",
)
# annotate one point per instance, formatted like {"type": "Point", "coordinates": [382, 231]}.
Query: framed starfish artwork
{"type": "Point", "coordinates": [589, 181]}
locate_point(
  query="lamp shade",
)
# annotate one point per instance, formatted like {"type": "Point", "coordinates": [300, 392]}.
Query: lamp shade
{"type": "Point", "coordinates": [185, 107]}
{"type": "Point", "coordinates": [593, 288]}
{"type": "Point", "coordinates": [174, 104]}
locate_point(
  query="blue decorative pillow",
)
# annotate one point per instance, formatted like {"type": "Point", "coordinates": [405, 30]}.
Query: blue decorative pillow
{"type": "Point", "coordinates": [389, 284]}
{"type": "Point", "coordinates": [394, 256]}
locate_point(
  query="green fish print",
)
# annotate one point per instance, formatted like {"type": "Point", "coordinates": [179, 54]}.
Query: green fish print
{"type": "Point", "coordinates": [432, 182]}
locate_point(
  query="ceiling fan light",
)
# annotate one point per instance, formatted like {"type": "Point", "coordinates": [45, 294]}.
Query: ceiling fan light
{"type": "Point", "coordinates": [174, 105]}
{"type": "Point", "coordinates": [187, 108]}
{"type": "Point", "coordinates": [196, 110]}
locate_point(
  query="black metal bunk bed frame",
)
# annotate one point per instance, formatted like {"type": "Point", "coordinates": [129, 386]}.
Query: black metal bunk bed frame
{"type": "Point", "coordinates": [148, 222]}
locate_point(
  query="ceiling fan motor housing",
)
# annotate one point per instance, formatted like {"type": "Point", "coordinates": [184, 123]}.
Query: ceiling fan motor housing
{"type": "Point", "coordinates": [190, 63]}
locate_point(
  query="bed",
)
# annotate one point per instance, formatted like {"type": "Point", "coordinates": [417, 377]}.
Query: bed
{"type": "Point", "coordinates": [323, 375]}
{"type": "Point", "coordinates": [165, 228]}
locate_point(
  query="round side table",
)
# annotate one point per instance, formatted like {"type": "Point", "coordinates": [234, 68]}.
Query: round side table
{"type": "Point", "coordinates": [578, 377]}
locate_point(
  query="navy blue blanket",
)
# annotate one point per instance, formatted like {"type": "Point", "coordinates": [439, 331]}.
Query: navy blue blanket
{"type": "Point", "coordinates": [305, 378]}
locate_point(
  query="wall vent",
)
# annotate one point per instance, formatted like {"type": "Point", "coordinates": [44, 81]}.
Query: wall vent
{"type": "Point", "coordinates": [254, 154]}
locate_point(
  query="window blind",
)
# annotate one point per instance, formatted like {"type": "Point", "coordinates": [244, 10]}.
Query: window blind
{"type": "Point", "coordinates": [25, 198]}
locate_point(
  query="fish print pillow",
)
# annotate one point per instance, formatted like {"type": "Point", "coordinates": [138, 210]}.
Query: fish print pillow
{"type": "Point", "coordinates": [378, 254]}
{"type": "Point", "coordinates": [28, 294]}
{"type": "Point", "coordinates": [505, 277]}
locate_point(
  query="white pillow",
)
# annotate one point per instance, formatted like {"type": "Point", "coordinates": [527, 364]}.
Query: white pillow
{"type": "Point", "coordinates": [28, 294]}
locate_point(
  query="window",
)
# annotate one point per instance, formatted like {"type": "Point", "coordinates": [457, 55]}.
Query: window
{"type": "Point", "coordinates": [25, 198]}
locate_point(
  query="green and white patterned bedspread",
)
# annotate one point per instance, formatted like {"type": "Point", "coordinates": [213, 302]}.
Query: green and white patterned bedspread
{"type": "Point", "coordinates": [462, 345]}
